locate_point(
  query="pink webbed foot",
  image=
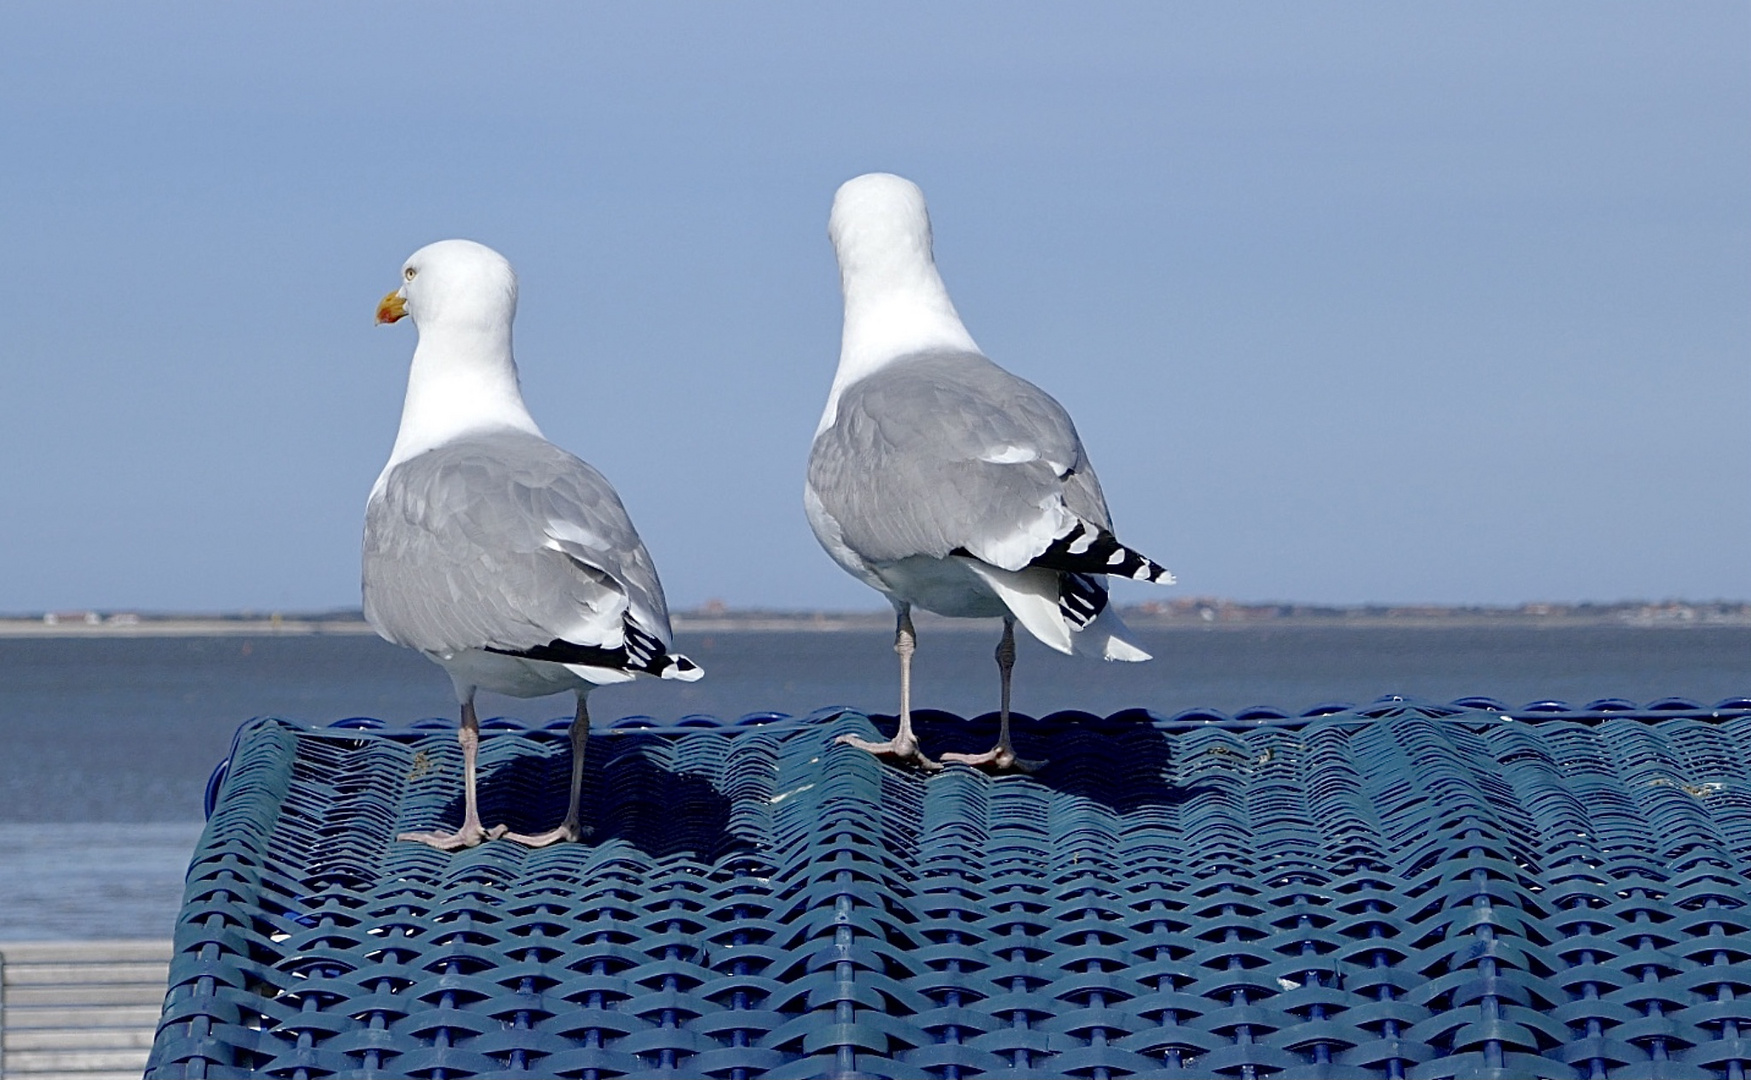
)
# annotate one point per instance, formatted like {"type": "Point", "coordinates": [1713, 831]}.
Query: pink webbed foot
{"type": "Point", "coordinates": [469, 835]}
{"type": "Point", "coordinates": [568, 832]}
{"type": "Point", "coordinates": [902, 751]}
{"type": "Point", "coordinates": [999, 759]}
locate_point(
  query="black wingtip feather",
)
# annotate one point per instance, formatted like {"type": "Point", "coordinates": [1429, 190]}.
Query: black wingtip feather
{"type": "Point", "coordinates": [1081, 598]}
{"type": "Point", "coordinates": [639, 651]}
{"type": "Point", "coordinates": [1086, 550]}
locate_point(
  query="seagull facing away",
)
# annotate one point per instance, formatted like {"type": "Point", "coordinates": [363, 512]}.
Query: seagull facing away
{"type": "Point", "coordinates": [944, 481]}
{"type": "Point", "coordinates": [506, 560]}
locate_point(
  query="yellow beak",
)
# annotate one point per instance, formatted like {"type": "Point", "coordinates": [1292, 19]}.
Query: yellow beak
{"type": "Point", "coordinates": [392, 308]}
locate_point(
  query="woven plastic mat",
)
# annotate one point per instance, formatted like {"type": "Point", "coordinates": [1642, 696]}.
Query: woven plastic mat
{"type": "Point", "coordinates": [1402, 890]}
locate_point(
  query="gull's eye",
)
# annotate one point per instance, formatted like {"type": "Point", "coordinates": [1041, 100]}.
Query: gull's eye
{"type": "Point", "coordinates": [409, 273]}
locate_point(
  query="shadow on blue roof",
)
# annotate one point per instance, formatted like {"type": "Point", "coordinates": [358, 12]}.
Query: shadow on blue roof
{"type": "Point", "coordinates": [1401, 889]}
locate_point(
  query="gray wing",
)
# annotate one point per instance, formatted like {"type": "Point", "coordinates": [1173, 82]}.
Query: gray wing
{"type": "Point", "coordinates": [947, 452]}
{"type": "Point", "coordinates": [505, 541]}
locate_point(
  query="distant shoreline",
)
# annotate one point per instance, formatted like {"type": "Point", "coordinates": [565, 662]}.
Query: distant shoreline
{"type": "Point", "coordinates": [1185, 614]}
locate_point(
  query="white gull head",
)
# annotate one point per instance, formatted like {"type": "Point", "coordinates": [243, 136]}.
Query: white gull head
{"type": "Point", "coordinates": [462, 296]}
{"type": "Point", "coordinates": [895, 301]}
{"type": "Point", "coordinates": [459, 284]}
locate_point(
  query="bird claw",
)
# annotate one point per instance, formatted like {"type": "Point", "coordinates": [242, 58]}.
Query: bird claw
{"type": "Point", "coordinates": [569, 832]}
{"type": "Point", "coordinates": [999, 759]}
{"type": "Point", "coordinates": [469, 835]}
{"type": "Point", "coordinates": [903, 753]}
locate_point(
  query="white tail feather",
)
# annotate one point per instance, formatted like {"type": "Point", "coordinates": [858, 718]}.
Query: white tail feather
{"type": "Point", "coordinates": [1103, 638]}
{"type": "Point", "coordinates": [1032, 596]}
{"type": "Point", "coordinates": [601, 676]}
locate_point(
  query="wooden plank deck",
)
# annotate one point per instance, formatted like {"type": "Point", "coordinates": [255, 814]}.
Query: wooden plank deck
{"type": "Point", "coordinates": [79, 1010]}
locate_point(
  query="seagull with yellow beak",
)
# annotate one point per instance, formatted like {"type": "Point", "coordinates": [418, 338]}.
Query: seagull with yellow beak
{"type": "Point", "coordinates": [509, 562]}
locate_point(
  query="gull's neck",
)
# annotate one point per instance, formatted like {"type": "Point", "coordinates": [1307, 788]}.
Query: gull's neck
{"type": "Point", "coordinates": [895, 306]}
{"type": "Point", "coordinates": [463, 380]}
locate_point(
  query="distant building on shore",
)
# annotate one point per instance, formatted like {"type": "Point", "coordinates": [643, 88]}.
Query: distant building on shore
{"type": "Point", "coordinates": [59, 618]}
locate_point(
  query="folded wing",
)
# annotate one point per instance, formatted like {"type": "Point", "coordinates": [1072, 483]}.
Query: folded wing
{"type": "Point", "coordinates": [947, 454]}
{"type": "Point", "coordinates": [504, 542]}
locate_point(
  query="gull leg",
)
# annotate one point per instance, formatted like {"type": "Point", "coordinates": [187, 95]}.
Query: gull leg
{"type": "Point", "coordinates": [569, 830]}
{"type": "Point", "coordinates": [903, 747]}
{"type": "Point", "coordinates": [1001, 758]}
{"type": "Point", "coordinates": [471, 832]}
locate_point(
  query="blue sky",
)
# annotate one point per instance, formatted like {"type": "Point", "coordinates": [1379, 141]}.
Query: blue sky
{"type": "Point", "coordinates": [1351, 303]}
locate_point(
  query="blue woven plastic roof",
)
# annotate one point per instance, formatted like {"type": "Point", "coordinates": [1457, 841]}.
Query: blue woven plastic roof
{"type": "Point", "coordinates": [1397, 890]}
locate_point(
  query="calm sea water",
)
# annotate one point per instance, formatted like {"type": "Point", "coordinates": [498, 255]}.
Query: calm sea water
{"type": "Point", "coordinates": [106, 744]}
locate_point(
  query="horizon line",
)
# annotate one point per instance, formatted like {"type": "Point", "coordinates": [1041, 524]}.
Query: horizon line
{"type": "Point", "coordinates": [714, 609]}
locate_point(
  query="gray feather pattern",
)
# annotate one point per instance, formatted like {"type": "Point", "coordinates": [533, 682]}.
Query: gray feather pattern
{"type": "Point", "coordinates": [459, 551]}
{"type": "Point", "coordinates": [900, 467]}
